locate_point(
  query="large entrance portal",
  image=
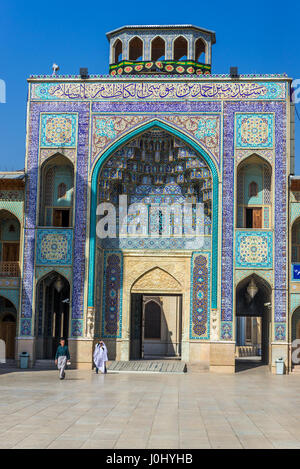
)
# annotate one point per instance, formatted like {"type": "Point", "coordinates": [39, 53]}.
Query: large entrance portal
{"type": "Point", "coordinates": [156, 329]}
{"type": "Point", "coordinates": [253, 306]}
{"type": "Point", "coordinates": [52, 319]}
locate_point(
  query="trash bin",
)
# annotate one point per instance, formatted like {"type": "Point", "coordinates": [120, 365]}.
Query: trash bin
{"type": "Point", "coordinates": [24, 358]}
{"type": "Point", "coordinates": [279, 366]}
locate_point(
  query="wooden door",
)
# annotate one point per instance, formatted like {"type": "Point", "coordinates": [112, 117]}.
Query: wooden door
{"type": "Point", "coordinates": [10, 252]}
{"type": "Point", "coordinates": [8, 334]}
{"type": "Point", "coordinates": [257, 218]}
{"type": "Point", "coordinates": [57, 217]}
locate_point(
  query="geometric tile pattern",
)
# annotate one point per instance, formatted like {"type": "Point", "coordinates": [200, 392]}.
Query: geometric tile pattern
{"type": "Point", "coordinates": [295, 301]}
{"type": "Point", "coordinates": [200, 296]}
{"type": "Point", "coordinates": [58, 130]}
{"type": "Point", "coordinates": [9, 282]}
{"type": "Point", "coordinates": [242, 153]}
{"type": "Point", "coordinates": [244, 273]}
{"type": "Point", "coordinates": [254, 130]}
{"type": "Point", "coordinates": [54, 247]}
{"type": "Point", "coordinates": [226, 330]}
{"type": "Point", "coordinates": [77, 327]}
{"type": "Point", "coordinates": [107, 128]}
{"type": "Point", "coordinates": [254, 249]}
{"type": "Point", "coordinates": [82, 110]}
{"type": "Point", "coordinates": [11, 295]}
{"type": "Point", "coordinates": [14, 206]}
{"type": "Point", "coordinates": [41, 271]}
{"type": "Point", "coordinates": [25, 327]}
{"type": "Point", "coordinates": [280, 331]}
{"type": "Point", "coordinates": [112, 294]}
{"type": "Point", "coordinates": [204, 128]}
{"type": "Point", "coordinates": [295, 211]}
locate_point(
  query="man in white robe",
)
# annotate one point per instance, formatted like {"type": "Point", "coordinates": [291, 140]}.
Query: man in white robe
{"type": "Point", "coordinates": [100, 357]}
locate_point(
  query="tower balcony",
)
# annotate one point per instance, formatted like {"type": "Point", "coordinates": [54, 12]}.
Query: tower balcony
{"type": "Point", "coordinates": [160, 67]}
{"type": "Point", "coordinates": [160, 50]}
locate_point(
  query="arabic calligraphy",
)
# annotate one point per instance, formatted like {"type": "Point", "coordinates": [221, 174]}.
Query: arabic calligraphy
{"type": "Point", "coordinates": [156, 91]}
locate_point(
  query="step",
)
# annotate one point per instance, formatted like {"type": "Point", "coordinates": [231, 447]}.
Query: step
{"type": "Point", "coordinates": [147, 366]}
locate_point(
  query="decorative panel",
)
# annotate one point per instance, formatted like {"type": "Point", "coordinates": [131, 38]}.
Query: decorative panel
{"type": "Point", "coordinates": [58, 130]}
{"type": "Point", "coordinates": [200, 296]}
{"type": "Point", "coordinates": [54, 247]}
{"type": "Point", "coordinates": [112, 294]}
{"type": "Point", "coordinates": [254, 249]}
{"type": "Point", "coordinates": [254, 130]}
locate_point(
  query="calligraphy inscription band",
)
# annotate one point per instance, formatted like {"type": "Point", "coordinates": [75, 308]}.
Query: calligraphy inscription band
{"type": "Point", "coordinates": [157, 91]}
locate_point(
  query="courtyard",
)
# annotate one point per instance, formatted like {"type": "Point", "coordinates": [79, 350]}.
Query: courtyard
{"type": "Point", "coordinates": [250, 409]}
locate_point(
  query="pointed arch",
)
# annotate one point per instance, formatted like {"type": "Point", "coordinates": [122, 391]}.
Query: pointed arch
{"type": "Point", "coordinates": [158, 48]}
{"type": "Point", "coordinates": [215, 192]}
{"type": "Point", "coordinates": [117, 51]}
{"type": "Point", "coordinates": [180, 48]}
{"type": "Point", "coordinates": [264, 283]}
{"type": "Point", "coordinates": [55, 273]}
{"type": "Point", "coordinates": [54, 210]}
{"type": "Point", "coordinates": [200, 50]}
{"type": "Point", "coordinates": [254, 192]}
{"type": "Point", "coordinates": [295, 229]}
{"type": "Point", "coordinates": [151, 279]}
{"type": "Point", "coordinates": [136, 48]}
{"type": "Point", "coordinates": [11, 296]}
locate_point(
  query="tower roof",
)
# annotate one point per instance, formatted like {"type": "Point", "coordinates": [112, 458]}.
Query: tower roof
{"type": "Point", "coordinates": [162, 27]}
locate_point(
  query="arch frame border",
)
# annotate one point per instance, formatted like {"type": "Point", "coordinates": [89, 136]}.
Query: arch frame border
{"type": "Point", "coordinates": [95, 172]}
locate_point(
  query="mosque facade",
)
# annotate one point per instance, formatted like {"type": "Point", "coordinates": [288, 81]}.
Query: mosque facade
{"type": "Point", "coordinates": [158, 210]}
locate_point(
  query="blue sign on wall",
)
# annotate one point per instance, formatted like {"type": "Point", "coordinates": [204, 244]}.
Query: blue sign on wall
{"type": "Point", "coordinates": [296, 271]}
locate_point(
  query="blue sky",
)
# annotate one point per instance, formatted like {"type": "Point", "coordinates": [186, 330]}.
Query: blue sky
{"type": "Point", "coordinates": [258, 37]}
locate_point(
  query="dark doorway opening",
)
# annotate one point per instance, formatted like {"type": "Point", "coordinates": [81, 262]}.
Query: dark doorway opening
{"type": "Point", "coordinates": [155, 326]}
{"type": "Point", "coordinates": [53, 298]}
{"type": "Point", "coordinates": [253, 306]}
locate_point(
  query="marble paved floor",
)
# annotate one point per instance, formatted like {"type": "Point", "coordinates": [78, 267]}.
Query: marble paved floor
{"type": "Point", "coordinates": [251, 409]}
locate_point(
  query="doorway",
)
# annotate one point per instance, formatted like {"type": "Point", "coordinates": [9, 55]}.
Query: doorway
{"type": "Point", "coordinates": [253, 322]}
{"type": "Point", "coordinates": [155, 326]}
{"type": "Point", "coordinates": [52, 319]}
{"type": "Point", "coordinates": [8, 326]}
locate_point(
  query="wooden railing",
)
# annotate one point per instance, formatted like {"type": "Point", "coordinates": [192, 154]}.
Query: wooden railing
{"type": "Point", "coordinates": [9, 269]}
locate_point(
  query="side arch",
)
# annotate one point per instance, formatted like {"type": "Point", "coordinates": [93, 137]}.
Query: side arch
{"type": "Point", "coordinates": [94, 178]}
{"type": "Point", "coordinates": [12, 296]}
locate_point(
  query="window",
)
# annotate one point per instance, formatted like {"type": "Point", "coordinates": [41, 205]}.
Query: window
{"type": "Point", "coordinates": [199, 51]}
{"type": "Point", "coordinates": [152, 321]}
{"type": "Point", "coordinates": [254, 217]}
{"type": "Point", "coordinates": [180, 48]}
{"type": "Point", "coordinates": [57, 185]}
{"type": "Point", "coordinates": [253, 189]}
{"type": "Point", "coordinates": [62, 191]}
{"type": "Point", "coordinates": [61, 217]}
{"type": "Point", "coordinates": [296, 242]}
{"type": "Point", "coordinates": [136, 49]}
{"type": "Point", "coordinates": [117, 51]}
{"type": "Point", "coordinates": [254, 196]}
{"type": "Point", "coordinates": [11, 229]}
{"type": "Point", "coordinates": [158, 49]}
